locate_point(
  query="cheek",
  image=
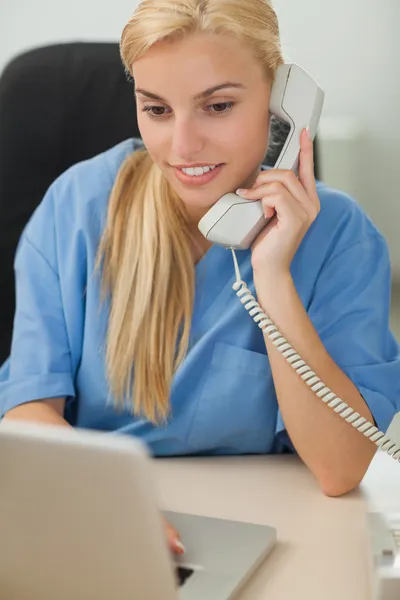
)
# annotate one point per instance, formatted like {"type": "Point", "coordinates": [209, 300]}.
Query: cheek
{"type": "Point", "coordinates": [259, 128]}
{"type": "Point", "coordinates": [249, 135]}
{"type": "Point", "coordinates": [149, 133]}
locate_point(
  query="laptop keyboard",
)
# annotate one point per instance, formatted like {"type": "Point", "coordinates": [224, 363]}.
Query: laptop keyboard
{"type": "Point", "coordinates": [183, 574]}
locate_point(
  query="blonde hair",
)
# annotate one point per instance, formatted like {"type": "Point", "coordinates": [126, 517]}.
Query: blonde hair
{"type": "Point", "coordinates": [146, 251]}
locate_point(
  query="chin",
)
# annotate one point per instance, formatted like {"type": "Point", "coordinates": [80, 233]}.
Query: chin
{"type": "Point", "coordinates": [198, 203]}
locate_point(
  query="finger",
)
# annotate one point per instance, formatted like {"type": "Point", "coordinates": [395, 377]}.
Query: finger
{"type": "Point", "coordinates": [266, 183]}
{"type": "Point", "coordinates": [285, 184]}
{"type": "Point", "coordinates": [269, 212]}
{"type": "Point", "coordinates": [286, 177]}
{"type": "Point", "coordinates": [272, 186]}
{"type": "Point", "coordinates": [306, 164]}
{"type": "Point", "coordinates": [306, 180]}
{"type": "Point", "coordinates": [173, 538]}
{"type": "Point", "coordinates": [285, 207]}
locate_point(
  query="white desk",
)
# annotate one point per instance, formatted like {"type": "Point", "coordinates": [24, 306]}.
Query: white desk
{"type": "Point", "coordinates": [322, 553]}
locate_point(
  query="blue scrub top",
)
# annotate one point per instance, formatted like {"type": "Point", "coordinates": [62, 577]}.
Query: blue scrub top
{"type": "Point", "coordinates": [222, 398]}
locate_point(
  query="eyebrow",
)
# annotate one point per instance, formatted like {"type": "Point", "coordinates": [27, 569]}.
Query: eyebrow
{"type": "Point", "coordinates": [200, 96]}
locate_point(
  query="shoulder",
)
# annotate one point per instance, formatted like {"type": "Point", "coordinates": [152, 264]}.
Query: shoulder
{"type": "Point", "coordinates": [96, 175]}
{"type": "Point", "coordinates": [341, 223]}
{"type": "Point", "coordinates": [86, 186]}
{"type": "Point", "coordinates": [76, 202]}
{"type": "Point", "coordinates": [342, 246]}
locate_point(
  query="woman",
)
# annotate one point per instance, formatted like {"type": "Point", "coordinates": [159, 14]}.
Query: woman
{"type": "Point", "coordinates": [126, 319]}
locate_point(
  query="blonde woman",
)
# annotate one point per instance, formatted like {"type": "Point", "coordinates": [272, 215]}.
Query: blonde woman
{"type": "Point", "coordinates": [126, 319]}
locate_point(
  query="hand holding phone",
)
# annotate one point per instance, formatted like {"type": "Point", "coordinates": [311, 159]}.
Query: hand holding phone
{"type": "Point", "coordinates": [290, 205]}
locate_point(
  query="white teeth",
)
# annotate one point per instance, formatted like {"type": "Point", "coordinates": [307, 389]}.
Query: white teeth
{"type": "Point", "coordinates": [193, 171]}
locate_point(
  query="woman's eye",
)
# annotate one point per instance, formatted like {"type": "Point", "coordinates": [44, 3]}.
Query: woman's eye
{"type": "Point", "coordinates": [221, 107]}
{"type": "Point", "coordinates": [155, 115]}
{"type": "Point", "coordinates": [156, 112]}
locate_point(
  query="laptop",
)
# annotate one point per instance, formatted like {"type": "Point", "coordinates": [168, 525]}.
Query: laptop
{"type": "Point", "coordinates": [79, 519]}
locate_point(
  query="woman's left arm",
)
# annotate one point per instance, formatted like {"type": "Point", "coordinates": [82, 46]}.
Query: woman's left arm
{"type": "Point", "coordinates": [335, 452]}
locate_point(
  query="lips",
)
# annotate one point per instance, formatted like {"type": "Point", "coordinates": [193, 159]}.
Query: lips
{"type": "Point", "coordinates": [196, 180]}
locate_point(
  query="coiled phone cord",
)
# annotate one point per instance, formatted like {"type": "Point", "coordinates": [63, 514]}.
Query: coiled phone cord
{"type": "Point", "coordinates": [311, 379]}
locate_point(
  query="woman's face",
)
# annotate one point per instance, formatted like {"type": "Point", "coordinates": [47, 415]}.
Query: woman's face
{"type": "Point", "coordinates": [181, 125]}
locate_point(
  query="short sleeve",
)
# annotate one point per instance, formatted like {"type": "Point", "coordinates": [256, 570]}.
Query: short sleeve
{"type": "Point", "coordinates": [57, 293]}
{"type": "Point", "coordinates": [40, 362]}
{"type": "Point", "coordinates": [350, 309]}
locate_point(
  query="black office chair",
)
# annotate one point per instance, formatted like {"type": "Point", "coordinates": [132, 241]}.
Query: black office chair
{"type": "Point", "coordinates": [59, 105]}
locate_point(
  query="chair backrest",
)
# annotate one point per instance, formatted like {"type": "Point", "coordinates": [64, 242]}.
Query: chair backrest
{"type": "Point", "coordinates": [59, 105]}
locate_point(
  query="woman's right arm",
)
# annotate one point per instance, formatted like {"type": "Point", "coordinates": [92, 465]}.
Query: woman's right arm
{"type": "Point", "coordinates": [48, 412]}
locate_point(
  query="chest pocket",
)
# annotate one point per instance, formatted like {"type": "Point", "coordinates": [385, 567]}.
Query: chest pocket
{"type": "Point", "coordinates": [237, 408]}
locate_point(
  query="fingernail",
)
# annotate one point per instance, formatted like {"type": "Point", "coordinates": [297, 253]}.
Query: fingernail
{"type": "Point", "coordinates": [308, 133]}
{"type": "Point", "coordinates": [241, 191]}
{"type": "Point", "coordinates": [179, 546]}
{"type": "Point", "coordinates": [268, 212]}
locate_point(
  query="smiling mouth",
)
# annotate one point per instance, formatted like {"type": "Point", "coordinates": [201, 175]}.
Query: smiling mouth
{"type": "Point", "coordinates": [195, 176]}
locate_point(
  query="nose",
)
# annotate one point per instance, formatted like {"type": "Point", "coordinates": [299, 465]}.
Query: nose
{"type": "Point", "coordinates": [187, 140]}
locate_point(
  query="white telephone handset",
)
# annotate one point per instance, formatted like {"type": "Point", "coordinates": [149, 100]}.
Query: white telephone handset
{"type": "Point", "coordinates": [297, 100]}
{"type": "Point", "coordinates": [234, 222]}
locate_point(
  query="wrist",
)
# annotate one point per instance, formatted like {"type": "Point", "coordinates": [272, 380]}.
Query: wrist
{"type": "Point", "coordinates": [272, 285]}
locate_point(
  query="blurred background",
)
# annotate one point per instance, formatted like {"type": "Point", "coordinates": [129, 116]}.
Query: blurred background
{"type": "Point", "coordinates": [352, 48]}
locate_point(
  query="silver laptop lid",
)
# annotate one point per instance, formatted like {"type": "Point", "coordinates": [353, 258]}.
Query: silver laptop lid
{"type": "Point", "coordinates": [62, 538]}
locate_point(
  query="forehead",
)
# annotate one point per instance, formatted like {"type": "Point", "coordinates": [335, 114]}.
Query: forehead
{"type": "Point", "coordinates": [197, 61]}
